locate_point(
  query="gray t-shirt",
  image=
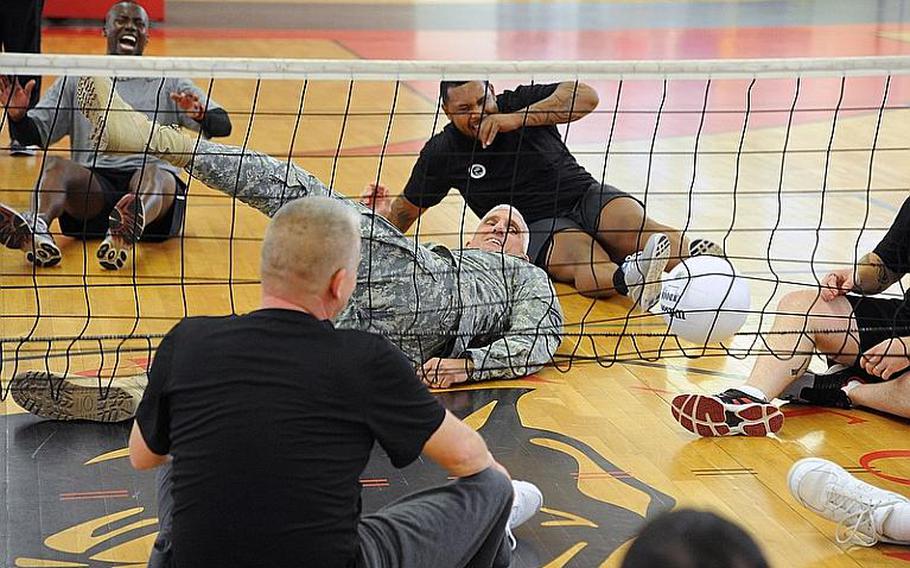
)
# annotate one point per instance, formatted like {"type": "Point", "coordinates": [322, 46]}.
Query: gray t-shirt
{"type": "Point", "coordinates": [56, 115]}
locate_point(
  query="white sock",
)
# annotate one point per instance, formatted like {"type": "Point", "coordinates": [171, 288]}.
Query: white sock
{"type": "Point", "coordinates": [850, 386]}
{"type": "Point", "coordinates": [895, 526]}
{"type": "Point", "coordinates": [753, 392]}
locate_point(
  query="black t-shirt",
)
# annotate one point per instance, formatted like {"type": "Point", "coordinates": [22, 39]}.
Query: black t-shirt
{"type": "Point", "coordinates": [894, 248]}
{"type": "Point", "coordinates": [270, 418]}
{"type": "Point", "coordinates": [531, 168]}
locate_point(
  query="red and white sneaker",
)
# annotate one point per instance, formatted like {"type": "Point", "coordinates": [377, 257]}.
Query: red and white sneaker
{"type": "Point", "coordinates": [125, 226]}
{"type": "Point", "coordinates": [729, 413]}
{"type": "Point", "coordinates": [29, 233]}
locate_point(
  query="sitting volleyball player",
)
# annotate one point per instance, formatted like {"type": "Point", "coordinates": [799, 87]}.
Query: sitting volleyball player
{"type": "Point", "coordinates": [869, 339]}
{"type": "Point", "coordinates": [120, 198]}
{"type": "Point", "coordinates": [478, 313]}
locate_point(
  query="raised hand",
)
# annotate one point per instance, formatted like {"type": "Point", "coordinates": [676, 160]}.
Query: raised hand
{"type": "Point", "coordinates": [14, 97]}
{"type": "Point", "coordinates": [493, 124]}
{"type": "Point", "coordinates": [837, 283]}
{"type": "Point", "coordinates": [189, 104]}
{"type": "Point", "coordinates": [376, 197]}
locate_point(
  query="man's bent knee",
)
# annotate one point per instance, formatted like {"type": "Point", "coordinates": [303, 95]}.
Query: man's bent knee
{"type": "Point", "coordinates": [493, 483]}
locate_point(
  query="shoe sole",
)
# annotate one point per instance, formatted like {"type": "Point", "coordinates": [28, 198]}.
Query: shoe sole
{"type": "Point", "coordinates": [50, 395]}
{"type": "Point", "coordinates": [708, 417]}
{"type": "Point", "coordinates": [657, 251]}
{"type": "Point", "coordinates": [703, 247]}
{"type": "Point", "coordinates": [15, 232]}
{"type": "Point", "coordinates": [126, 222]}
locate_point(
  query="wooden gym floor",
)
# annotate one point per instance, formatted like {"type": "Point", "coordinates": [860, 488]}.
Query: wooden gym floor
{"type": "Point", "coordinates": [597, 438]}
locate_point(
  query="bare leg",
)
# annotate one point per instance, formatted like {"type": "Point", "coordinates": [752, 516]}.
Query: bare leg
{"type": "Point", "coordinates": [891, 396]}
{"type": "Point", "coordinates": [157, 190]}
{"type": "Point", "coordinates": [792, 352]}
{"type": "Point", "coordinates": [578, 259]}
{"type": "Point", "coordinates": [70, 187]}
{"type": "Point", "coordinates": [65, 186]}
{"type": "Point", "coordinates": [624, 230]}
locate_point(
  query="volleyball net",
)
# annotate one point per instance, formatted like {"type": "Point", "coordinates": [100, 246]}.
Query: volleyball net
{"type": "Point", "coordinates": [796, 167]}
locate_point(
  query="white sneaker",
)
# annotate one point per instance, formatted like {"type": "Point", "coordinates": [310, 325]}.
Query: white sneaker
{"type": "Point", "coordinates": [526, 503]}
{"type": "Point", "coordinates": [859, 509]}
{"type": "Point", "coordinates": [642, 271]}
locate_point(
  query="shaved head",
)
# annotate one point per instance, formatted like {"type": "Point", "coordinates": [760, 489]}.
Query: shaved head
{"type": "Point", "coordinates": [307, 242]}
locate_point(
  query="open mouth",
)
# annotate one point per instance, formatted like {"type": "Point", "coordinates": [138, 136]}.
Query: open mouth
{"type": "Point", "coordinates": [494, 241]}
{"type": "Point", "coordinates": [128, 42]}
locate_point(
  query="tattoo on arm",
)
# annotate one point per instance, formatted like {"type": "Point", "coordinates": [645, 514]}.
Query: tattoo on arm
{"type": "Point", "coordinates": [403, 214]}
{"type": "Point", "coordinates": [569, 102]}
{"type": "Point", "coordinates": [872, 276]}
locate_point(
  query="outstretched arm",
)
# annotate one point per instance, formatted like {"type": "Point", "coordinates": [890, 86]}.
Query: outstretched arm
{"type": "Point", "coordinates": [534, 332]}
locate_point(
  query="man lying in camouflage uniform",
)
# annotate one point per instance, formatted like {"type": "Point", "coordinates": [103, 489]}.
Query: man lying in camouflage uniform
{"type": "Point", "coordinates": [479, 313]}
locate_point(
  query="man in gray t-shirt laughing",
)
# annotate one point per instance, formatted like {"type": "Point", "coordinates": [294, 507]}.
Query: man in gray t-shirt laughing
{"type": "Point", "coordinates": [120, 198]}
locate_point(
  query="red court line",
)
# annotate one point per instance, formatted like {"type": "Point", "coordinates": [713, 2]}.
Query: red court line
{"type": "Point", "coordinates": [674, 43]}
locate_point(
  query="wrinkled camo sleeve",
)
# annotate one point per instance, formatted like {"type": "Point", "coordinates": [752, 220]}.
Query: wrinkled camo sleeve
{"type": "Point", "coordinates": [533, 334]}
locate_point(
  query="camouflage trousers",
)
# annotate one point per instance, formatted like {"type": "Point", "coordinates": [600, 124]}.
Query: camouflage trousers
{"type": "Point", "coordinates": [404, 291]}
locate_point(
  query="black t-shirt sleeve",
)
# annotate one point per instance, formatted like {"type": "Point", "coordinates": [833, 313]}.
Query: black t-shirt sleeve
{"type": "Point", "coordinates": [894, 248]}
{"type": "Point", "coordinates": [401, 412]}
{"type": "Point", "coordinates": [429, 182]}
{"type": "Point", "coordinates": [524, 96]}
{"type": "Point", "coordinates": [216, 123]}
{"type": "Point", "coordinates": [153, 414]}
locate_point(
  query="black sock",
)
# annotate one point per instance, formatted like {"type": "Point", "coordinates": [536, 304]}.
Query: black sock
{"type": "Point", "coordinates": [619, 282]}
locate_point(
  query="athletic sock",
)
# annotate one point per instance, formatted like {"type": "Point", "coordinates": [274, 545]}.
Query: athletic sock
{"type": "Point", "coordinates": [619, 281]}
{"type": "Point", "coordinates": [753, 392]}
{"type": "Point", "coordinates": [896, 526]}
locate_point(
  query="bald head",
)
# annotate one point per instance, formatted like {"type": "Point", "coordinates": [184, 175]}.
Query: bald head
{"type": "Point", "coordinates": [307, 243]}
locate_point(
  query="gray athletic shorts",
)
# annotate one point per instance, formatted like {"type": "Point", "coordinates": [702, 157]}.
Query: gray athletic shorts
{"type": "Point", "coordinates": [585, 216]}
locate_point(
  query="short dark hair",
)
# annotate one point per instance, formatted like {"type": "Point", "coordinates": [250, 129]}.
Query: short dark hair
{"type": "Point", "coordinates": [444, 87]}
{"type": "Point", "coordinates": [687, 538]}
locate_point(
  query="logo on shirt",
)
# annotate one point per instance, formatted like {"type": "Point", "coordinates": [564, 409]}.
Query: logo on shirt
{"type": "Point", "coordinates": [477, 171]}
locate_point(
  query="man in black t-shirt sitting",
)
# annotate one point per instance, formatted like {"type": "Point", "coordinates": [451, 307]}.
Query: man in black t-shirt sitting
{"type": "Point", "coordinates": [506, 149]}
{"type": "Point", "coordinates": [269, 419]}
{"type": "Point", "coordinates": [868, 339]}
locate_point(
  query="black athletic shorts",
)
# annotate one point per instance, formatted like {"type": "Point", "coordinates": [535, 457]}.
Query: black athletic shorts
{"type": "Point", "coordinates": [584, 216]}
{"type": "Point", "coordinates": [879, 319]}
{"type": "Point", "coordinates": [115, 184]}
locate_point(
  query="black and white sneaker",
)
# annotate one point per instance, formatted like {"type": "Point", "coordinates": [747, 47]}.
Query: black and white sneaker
{"type": "Point", "coordinates": [125, 226]}
{"type": "Point", "coordinates": [700, 247]}
{"type": "Point", "coordinates": [643, 269]}
{"type": "Point", "coordinates": [29, 233]}
{"type": "Point", "coordinates": [824, 389]}
{"type": "Point", "coordinates": [729, 413]}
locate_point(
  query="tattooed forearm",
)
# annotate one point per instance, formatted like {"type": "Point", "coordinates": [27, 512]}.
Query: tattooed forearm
{"type": "Point", "coordinates": [403, 214]}
{"type": "Point", "coordinates": [569, 102]}
{"type": "Point", "coordinates": [872, 276]}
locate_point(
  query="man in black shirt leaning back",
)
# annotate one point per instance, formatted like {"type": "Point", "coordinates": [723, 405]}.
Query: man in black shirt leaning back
{"type": "Point", "coordinates": [270, 417]}
{"type": "Point", "coordinates": [506, 149]}
{"type": "Point", "coordinates": [867, 339]}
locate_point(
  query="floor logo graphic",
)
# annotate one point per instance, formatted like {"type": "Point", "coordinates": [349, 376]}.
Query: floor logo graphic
{"type": "Point", "coordinates": [96, 511]}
